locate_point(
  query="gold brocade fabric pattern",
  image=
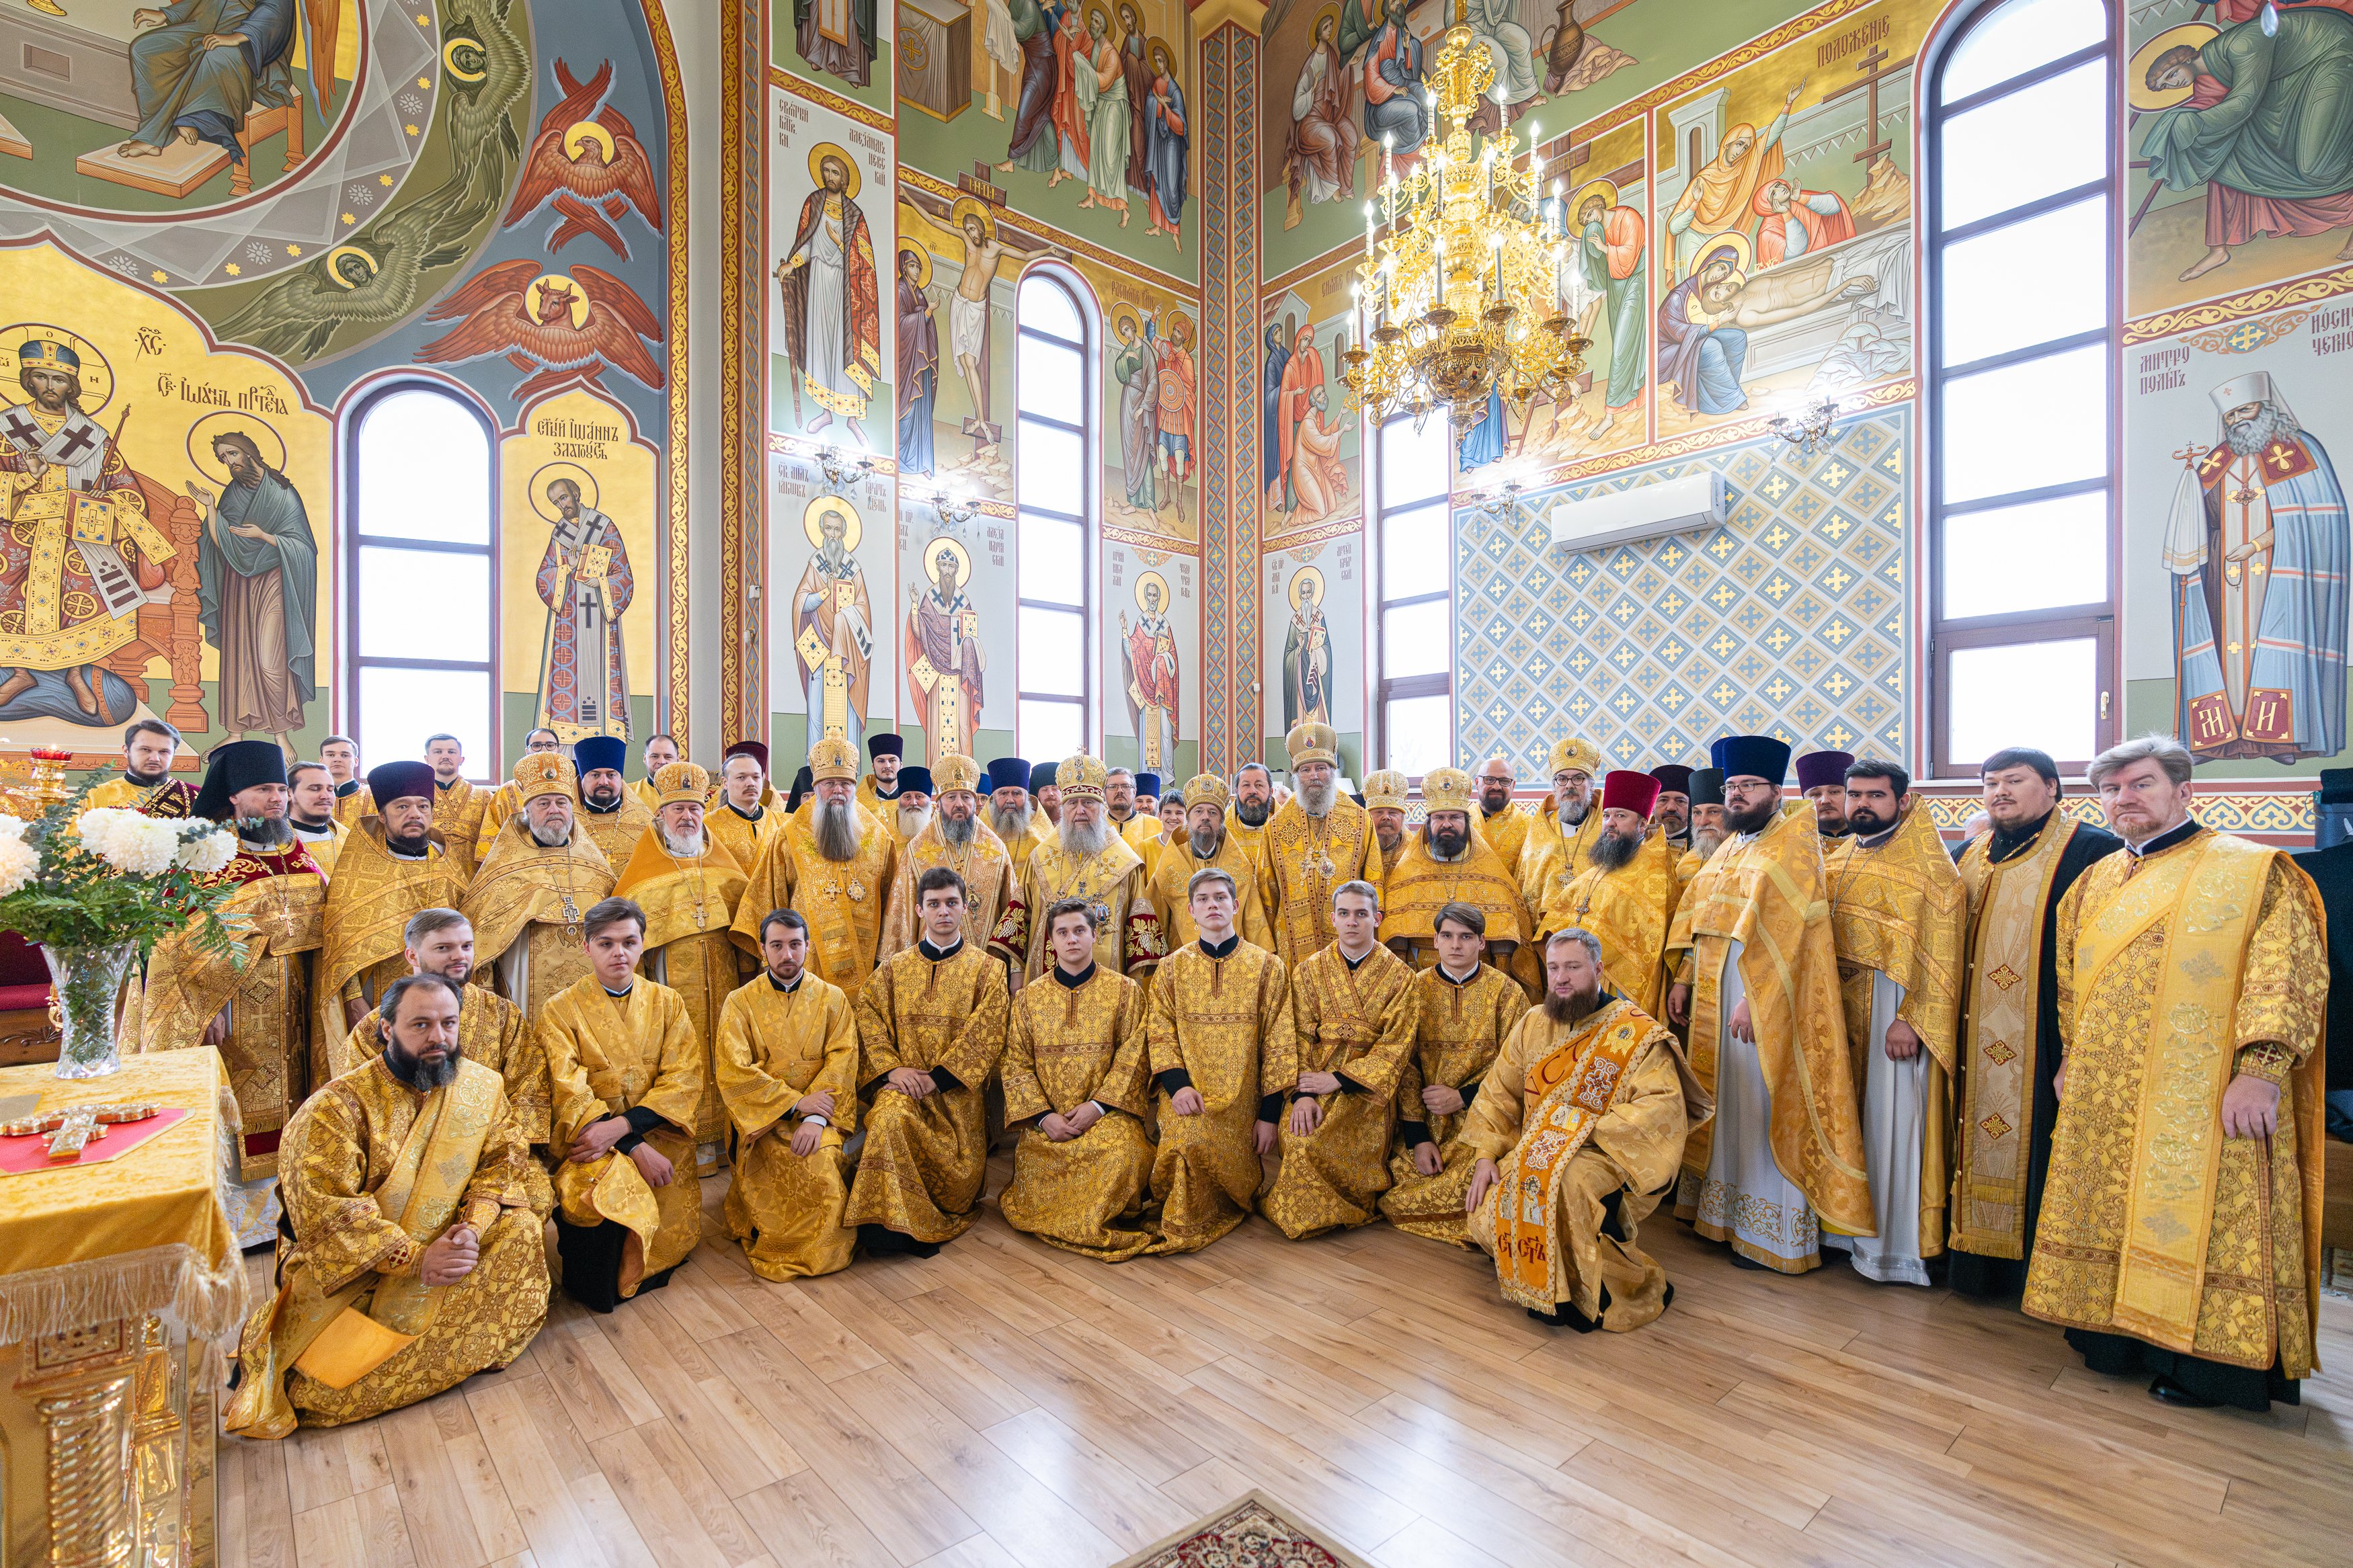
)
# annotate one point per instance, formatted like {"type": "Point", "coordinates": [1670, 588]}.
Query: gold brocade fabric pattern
{"type": "Point", "coordinates": [842, 900]}
{"type": "Point", "coordinates": [1358, 1023]}
{"type": "Point", "coordinates": [369, 901]}
{"type": "Point", "coordinates": [616, 833]}
{"type": "Point", "coordinates": [327, 850]}
{"type": "Point", "coordinates": [605, 1056]}
{"type": "Point", "coordinates": [1629, 910]}
{"type": "Point", "coordinates": [338, 1150]}
{"type": "Point", "coordinates": [1175, 874]}
{"type": "Point", "coordinates": [171, 798]}
{"type": "Point", "coordinates": [924, 1161]}
{"type": "Point", "coordinates": [493, 1031]}
{"type": "Point", "coordinates": [505, 802]}
{"type": "Point", "coordinates": [1127, 926]}
{"type": "Point", "coordinates": [1901, 909]}
{"type": "Point", "coordinates": [523, 883]}
{"type": "Point", "coordinates": [1457, 1032]}
{"type": "Point", "coordinates": [457, 818]}
{"type": "Point", "coordinates": [2255, 1293]}
{"type": "Point", "coordinates": [1419, 884]}
{"type": "Point", "coordinates": [775, 1048]}
{"type": "Point", "coordinates": [690, 903]}
{"type": "Point", "coordinates": [1220, 1021]}
{"type": "Point", "coordinates": [1300, 859]}
{"type": "Point", "coordinates": [988, 873]}
{"type": "Point", "coordinates": [1251, 839]}
{"type": "Point", "coordinates": [1506, 834]}
{"type": "Point", "coordinates": [350, 808]}
{"type": "Point", "coordinates": [1067, 1045]}
{"type": "Point", "coordinates": [1546, 852]}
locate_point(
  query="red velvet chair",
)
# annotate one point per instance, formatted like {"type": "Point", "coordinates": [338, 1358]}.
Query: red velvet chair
{"type": "Point", "coordinates": [26, 1035]}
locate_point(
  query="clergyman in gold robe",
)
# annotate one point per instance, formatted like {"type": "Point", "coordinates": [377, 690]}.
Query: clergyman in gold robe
{"type": "Point", "coordinates": [627, 1072]}
{"type": "Point", "coordinates": [507, 799]}
{"type": "Point", "coordinates": [1086, 860]}
{"type": "Point", "coordinates": [1253, 808]}
{"type": "Point", "coordinates": [1010, 812]}
{"type": "Point", "coordinates": [458, 805]}
{"type": "Point", "coordinates": [1446, 862]}
{"type": "Point", "coordinates": [1758, 983]}
{"type": "Point", "coordinates": [1502, 824]}
{"type": "Point", "coordinates": [1207, 840]}
{"type": "Point", "coordinates": [1466, 1009]}
{"type": "Point", "coordinates": [1387, 794]}
{"type": "Point", "coordinates": [1707, 830]}
{"type": "Point", "coordinates": [311, 813]}
{"type": "Point", "coordinates": [1074, 1070]}
{"type": "Point", "coordinates": [541, 875]}
{"type": "Point", "coordinates": [1560, 834]}
{"type": "Point", "coordinates": [1578, 1129]}
{"type": "Point", "coordinates": [1627, 896]}
{"type": "Point", "coordinates": [390, 867]}
{"type": "Point", "coordinates": [2179, 1233]}
{"type": "Point", "coordinates": [744, 817]}
{"type": "Point", "coordinates": [1218, 1020]}
{"type": "Point", "coordinates": [834, 864]}
{"type": "Point", "coordinates": [930, 1027]}
{"type": "Point", "coordinates": [1353, 1011]}
{"type": "Point", "coordinates": [1317, 840]}
{"type": "Point", "coordinates": [412, 1257]}
{"type": "Point", "coordinates": [1897, 912]}
{"type": "Point", "coordinates": [786, 1062]}
{"type": "Point", "coordinates": [957, 838]}
{"type": "Point", "coordinates": [610, 810]}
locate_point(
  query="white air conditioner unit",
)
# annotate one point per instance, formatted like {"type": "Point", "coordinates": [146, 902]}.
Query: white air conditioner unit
{"type": "Point", "coordinates": [1642, 511]}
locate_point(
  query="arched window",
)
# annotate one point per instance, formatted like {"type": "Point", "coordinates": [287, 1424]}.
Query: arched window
{"type": "Point", "coordinates": [420, 547]}
{"type": "Point", "coordinates": [1413, 577]}
{"type": "Point", "coordinates": [1054, 385]}
{"type": "Point", "coordinates": [2023, 417]}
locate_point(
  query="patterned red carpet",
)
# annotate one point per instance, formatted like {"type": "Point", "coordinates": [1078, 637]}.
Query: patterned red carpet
{"type": "Point", "coordinates": [1252, 1532]}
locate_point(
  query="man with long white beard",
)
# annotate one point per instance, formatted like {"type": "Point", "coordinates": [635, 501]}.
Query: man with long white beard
{"type": "Point", "coordinates": [957, 838]}
{"type": "Point", "coordinates": [1253, 807]}
{"type": "Point", "coordinates": [1207, 840]}
{"type": "Point", "coordinates": [610, 812]}
{"type": "Point", "coordinates": [1821, 779]}
{"type": "Point", "coordinates": [1086, 861]}
{"type": "Point", "coordinates": [745, 818]}
{"type": "Point", "coordinates": [1446, 862]}
{"type": "Point", "coordinates": [507, 799]}
{"type": "Point", "coordinates": [1671, 815]}
{"type": "Point", "coordinates": [534, 887]}
{"type": "Point", "coordinates": [1707, 830]}
{"type": "Point", "coordinates": [1586, 1111]}
{"type": "Point", "coordinates": [911, 813]}
{"type": "Point", "coordinates": [1503, 826]}
{"type": "Point", "coordinates": [390, 867]}
{"type": "Point", "coordinates": [310, 813]}
{"type": "Point", "coordinates": [1627, 896]}
{"type": "Point", "coordinates": [1561, 833]}
{"type": "Point", "coordinates": [834, 864]}
{"type": "Point", "coordinates": [1008, 808]}
{"type": "Point", "coordinates": [1315, 843]}
{"type": "Point", "coordinates": [690, 889]}
{"type": "Point", "coordinates": [1385, 803]}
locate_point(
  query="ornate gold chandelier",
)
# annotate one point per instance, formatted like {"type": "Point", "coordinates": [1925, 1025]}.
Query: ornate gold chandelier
{"type": "Point", "coordinates": [1456, 295]}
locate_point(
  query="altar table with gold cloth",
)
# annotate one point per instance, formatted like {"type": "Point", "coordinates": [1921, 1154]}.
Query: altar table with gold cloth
{"type": "Point", "coordinates": [121, 1283]}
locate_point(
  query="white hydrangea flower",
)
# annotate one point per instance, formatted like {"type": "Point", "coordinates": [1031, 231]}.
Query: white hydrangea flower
{"type": "Point", "coordinates": [19, 863]}
{"type": "Point", "coordinates": [207, 852]}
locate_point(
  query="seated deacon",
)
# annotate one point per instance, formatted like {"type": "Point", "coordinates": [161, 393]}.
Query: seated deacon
{"type": "Point", "coordinates": [532, 886]}
{"type": "Point", "coordinates": [2177, 1238]}
{"type": "Point", "coordinates": [626, 1071]}
{"type": "Point", "coordinates": [745, 818]}
{"type": "Point", "coordinates": [878, 791]}
{"type": "Point", "coordinates": [1446, 862]}
{"type": "Point", "coordinates": [786, 1061]}
{"type": "Point", "coordinates": [610, 809]}
{"type": "Point", "coordinates": [1467, 1009]}
{"type": "Point", "coordinates": [1578, 1129]}
{"type": "Point", "coordinates": [342, 755]}
{"type": "Point", "coordinates": [660, 750]}
{"type": "Point", "coordinates": [1384, 801]}
{"type": "Point", "coordinates": [930, 1027]}
{"type": "Point", "coordinates": [834, 864]}
{"type": "Point", "coordinates": [1627, 896]}
{"type": "Point", "coordinates": [1208, 840]}
{"type": "Point", "coordinates": [1352, 1007]}
{"type": "Point", "coordinates": [507, 799]}
{"type": "Point", "coordinates": [310, 813]}
{"type": "Point", "coordinates": [410, 1257]}
{"type": "Point", "coordinates": [957, 838]}
{"type": "Point", "coordinates": [1074, 1070]}
{"type": "Point", "coordinates": [1220, 1013]}
{"type": "Point", "coordinates": [1821, 779]}
{"type": "Point", "coordinates": [146, 784]}
{"type": "Point", "coordinates": [390, 867]}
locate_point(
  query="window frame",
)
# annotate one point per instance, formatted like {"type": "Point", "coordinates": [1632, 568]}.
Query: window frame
{"type": "Point", "coordinates": [352, 539]}
{"type": "Point", "coordinates": [1388, 688]}
{"type": "Point", "coordinates": [1089, 517]}
{"type": "Point", "coordinates": [2096, 618]}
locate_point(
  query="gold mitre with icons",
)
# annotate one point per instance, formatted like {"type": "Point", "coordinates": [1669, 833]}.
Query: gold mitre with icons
{"type": "Point", "coordinates": [1081, 777]}
{"type": "Point", "coordinates": [1575, 755]}
{"type": "Point", "coordinates": [1206, 789]}
{"type": "Point", "coordinates": [1385, 791]}
{"type": "Point", "coordinates": [954, 772]}
{"type": "Point", "coordinates": [1313, 743]}
{"type": "Point", "coordinates": [1446, 789]}
{"type": "Point", "coordinates": [545, 772]}
{"type": "Point", "coordinates": [832, 758]}
{"type": "Point", "coordinates": [681, 781]}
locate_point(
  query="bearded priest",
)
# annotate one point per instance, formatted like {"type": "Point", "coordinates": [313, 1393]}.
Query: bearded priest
{"type": "Point", "coordinates": [834, 864]}
{"type": "Point", "coordinates": [1446, 862]}
{"type": "Point", "coordinates": [1007, 782]}
{"type": "Point", "coordinates": [1319, 839]}
{"type": "Point", "coordinates": [1207, 840]}
{"type": "Point", "coordinates": [957, 838]}
{"type": "Point", "coordinates": [1627, 896]}
{"type": "Point", "coordinates": [540, 876]}
{"type": "Point", "coordinates": [1707, 830]}
{"type": "Point", "coordinates": [1087, 860]}
{"type": "Point", "coordinates": [391, 867]}
{"type": "Point", "coordinates": [1386, 798]}
{"type": "Point", "coordinates": [1559, 841]}
{"type": "Point", "coordinates": [610, 809]}
{"type": "Point", "coordinates": [1467, 1010]}
{"type": "Point", "coordinates": [1579, 1128]}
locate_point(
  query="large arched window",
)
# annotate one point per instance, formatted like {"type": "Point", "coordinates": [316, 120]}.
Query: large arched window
{"type": "Point", "coordinates": [1413, 576]}
{"type": "Point", "coordinates": [1054, 385]}
{"type": "Point", "coordinates": [2022, 482]}
{"type": "Point", "coordinates": [420, 554]}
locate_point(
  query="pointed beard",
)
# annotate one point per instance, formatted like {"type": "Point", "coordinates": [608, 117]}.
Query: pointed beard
{"type": "Point", "coordinates": [836, 830]}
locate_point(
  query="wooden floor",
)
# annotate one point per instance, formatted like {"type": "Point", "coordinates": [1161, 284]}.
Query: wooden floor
{"type": "Point", "coordinates": [1005, 1404]}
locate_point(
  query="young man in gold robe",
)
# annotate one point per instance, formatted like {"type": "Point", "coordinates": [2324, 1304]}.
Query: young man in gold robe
{"type": "Point", "coordinates": [145, 784]}
{"type": "Point", "coordinates": [1086, 860]}
{"type": "Point", "coordinates": [1560, 834]}
{"type": "Point", "coordinates": [1627, 896]}
{"type": "Point", "coordinates": [1386, 795]}
{"type": "Point", "coordinates": [1253, 809]}
{"type": "Point", "coordinates": [1446, 862]}
{"type": "Point", "coordinates": [1143, 828]}
{"type": "Point", "coordinates": [1578, 1129]}
{"type": "Point", "coordinates": [529, 893]}
{"type": "Point", "coordinates": [1319, 839]}
{"type": "Point", "coordinates": [609, 810]}
{"type": "Point", "coordinates": [2018, 874]}
{"type": "Point", "coordinates": [626, 1071]}
{"type": "Point", "coordinates": [1897, 913]}
{"type": "Point", "coordinates": [1169, 821]}
{"type": "Point", "coordinates": [930, 1027]}
{"type": "Point", "coordinates": [660, 750]}
{"type": "Point", "coordinates": [342, 755]}
{"type": "Point", "coordinates": [1217, 1026]}
{"type": "Point", "coordinates": [786, 1061]}
{"type": "Point", "coordinates": [458, 805]}
{"type": "Point", "coordinates": [745, 818]}
{"type": "Point", "coordinates": [412, 1257]}
{"type": "Point", "coordinates": [507, 799]}
{"type": "Point", "coordinates": [1011, 814]}
{"type": "Point", "coordinates": [834, 864]}
{"type": "Point", "coordinates": [692, 891]}
{"type": "Point", "coordinates": [1503, 825]}
{"type": "Point", "coordinates": [1207, 840]}
{"type": "Point", "coordinates": [1758, 983]}
{"type": "Point", "coordinates": [2179, 1233]}
{"type": "Point", "coordinates": [878, 789]}
{"type": "Point", "coordinates": [957, 838]}
{"type": "Point", "coordinates": [390, 867]}
{"type": "Point", "coordinates": [311, 813]}
{"type": "Point", "coordinates": [1353, 1012]}
{"type": "Point", "coordinates": [1466, 1009]}
{"type": "Point", "coordinates": [1074, 1070]}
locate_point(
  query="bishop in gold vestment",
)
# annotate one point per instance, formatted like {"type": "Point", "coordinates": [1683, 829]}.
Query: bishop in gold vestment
{"type": "Point", "coordinates": [1627, 896]}
{"type": "Point", "coordinates": [1578, 1129]}
{"type": "Point", "coordinates": [1897, 908]}
{"type": "Point", "coordinates": [2181, 1226]}
{"type": "Point", "coordinates": [957, 838]}
{"type": "Point", "coordinates": [834, 865]}
{"type": "Point", "coordinates": [1446, 862]}
{"type": "Point", "coordinates": [1560, 834]}
{"type": "Point", "coordinates": [787, 1067]}
{"type": "Point", "coordinates": [531, 890]}
{"type": "Point", "coordinates": [610, 810]}
{"type": "Point", "coordinates": [1086, 860]}
{"type": "Point", "coordinates": [390, 868]}
{"type": "Point", "coordinates": [1204, 815]}
{"type": "Point", "coordinates": [1460, 1023]}
{"type": "Point", "coordinates": [1319, 839]}
{"type": "Point", "coordinates": [507, 799]}
{"type": "Point", "coordinates": [390, 1180]}
{"type": "Point", "coordinates": [1352, 1020]}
